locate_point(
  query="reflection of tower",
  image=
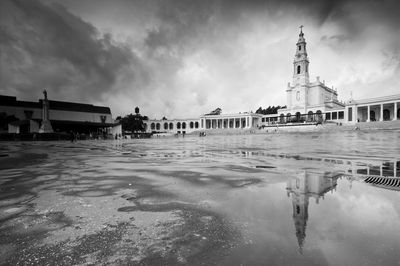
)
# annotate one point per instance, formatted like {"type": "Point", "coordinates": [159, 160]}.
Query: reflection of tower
{"type": "Point", "coordinates": [46, 125]}
{"type": "Point", "coordinates": [301, 188]}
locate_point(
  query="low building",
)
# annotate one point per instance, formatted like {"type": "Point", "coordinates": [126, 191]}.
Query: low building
{"type": "Point", "coordinates": [63, 116]}
{"type": "Point", "coordinates": [172, 126]}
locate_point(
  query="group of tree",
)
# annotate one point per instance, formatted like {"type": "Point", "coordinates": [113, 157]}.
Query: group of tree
{"type": "Point", "coordinates": [270, 110]}
{"type": "Point", "coordinates": [133, 122]}
{"type": "Point", "coordinates": [217, 111]}
{"type": "Point", "coordinates": [5, 120]}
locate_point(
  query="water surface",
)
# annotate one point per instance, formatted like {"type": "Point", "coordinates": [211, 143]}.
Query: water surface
{"type": "Point", "coordinates": [279, 199]}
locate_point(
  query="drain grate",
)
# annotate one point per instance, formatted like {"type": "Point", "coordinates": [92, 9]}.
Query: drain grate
{"type": "Point", "coordinates": [383, 181]}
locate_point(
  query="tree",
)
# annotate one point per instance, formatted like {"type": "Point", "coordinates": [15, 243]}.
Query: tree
{"type": "Point", "coordinates": [133, 123]}
{"type": "Point", "coordinates": [5, 120]}
{"type": "Point", "coordinates": [270, 110]}
{"type": "Point", "coordinates": [217, 111]}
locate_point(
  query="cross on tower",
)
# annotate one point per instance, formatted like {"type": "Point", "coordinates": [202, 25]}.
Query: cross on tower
{"type": "Point", "coordinates": [301, 28]}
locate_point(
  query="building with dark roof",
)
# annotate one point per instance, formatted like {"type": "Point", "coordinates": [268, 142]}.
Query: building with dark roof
{"type": "Point", "coordinates": [64, 116]}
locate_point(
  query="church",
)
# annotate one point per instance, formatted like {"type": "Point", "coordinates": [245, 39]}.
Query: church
{"type": "Point", "coordinates": [307, 101]}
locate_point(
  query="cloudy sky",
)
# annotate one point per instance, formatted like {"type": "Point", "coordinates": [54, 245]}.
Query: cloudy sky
{"type": "Point", "coordinates": [182, 58]}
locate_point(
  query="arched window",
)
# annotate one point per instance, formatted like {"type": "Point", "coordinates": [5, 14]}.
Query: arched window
{"type": "Point", "coordinates": [196, 124]}
{"type": "Point", "coordinates": [158, 126]}
{"type": "Point", "coordinates": [298, 96]}
{"type": "Point", "coordinates": [282, 118]}
{"type": "Point", "coordinates": [153, 126]}
{"type": "Point", "coordinates": [319, 115]}
{"type": "Point", "coordinates": [299, 47]}
{"type": "Point", "coordinates": [165, 126]}
{"type": "Point", "coordinates": [288, 117]}
{"type": "Point", "coordinates": [298, 116]}
{"type": "Point", "coordinates": [191, 124]}
{"type": "Point", "coordinates": [298, 69]}
{"type": "Point", "coordinates": [171, 126]}
{"type": "Point", "coordinates": [178, 125]}
{"type": "Point", "coordinates": [310, 116]}
{"type": "Point", "coordinates": [183, 125]}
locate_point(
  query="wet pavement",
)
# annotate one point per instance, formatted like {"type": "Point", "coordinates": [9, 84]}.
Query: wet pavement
{"type": "Point", "coordinates": [277, 199]}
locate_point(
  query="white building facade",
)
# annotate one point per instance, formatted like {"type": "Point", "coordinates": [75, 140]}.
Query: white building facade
{"type": "Point", "coordinates": [307, 103]}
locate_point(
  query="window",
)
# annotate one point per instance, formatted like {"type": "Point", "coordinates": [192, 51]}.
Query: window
{"type": "Point", "coordinates": [298, 69]}
{"type": "Point", "coordinates": [282, 118]}
{"type": "Point", "coordinates": [298, 96]}
{"type": "Point", "coordinates": [299, 47]}
{"type": "Point", "coordinates": [328, 116]}
{"type": "Point", "coordinates": [298, 115]}
{"type": "Point", "coordinates": [310, 116]}
{"type": "Point", "coordinates": [334, 115]}
{"type": "Point", "coordinates": [341, 115]}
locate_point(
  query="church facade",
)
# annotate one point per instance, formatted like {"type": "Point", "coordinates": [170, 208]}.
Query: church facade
{"type": "Point", "coordinates": [307, 101]}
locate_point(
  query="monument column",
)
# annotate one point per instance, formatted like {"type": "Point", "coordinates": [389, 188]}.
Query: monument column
{"type": "Point", "coordinates": [381, 112]}
{"type": "Point", "coordinates": [395, 111]}
{"type": "Point", "coordinates": [368, 114]}
{"type": "Point", "coordinates": [46, 125]}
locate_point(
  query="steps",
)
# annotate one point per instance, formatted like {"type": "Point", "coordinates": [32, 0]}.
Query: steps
{"type": "Point", "coordinates": [387, 182]}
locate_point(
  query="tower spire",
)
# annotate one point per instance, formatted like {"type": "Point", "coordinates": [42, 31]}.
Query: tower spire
{"type": "Point", "coordinates": [300, 73]}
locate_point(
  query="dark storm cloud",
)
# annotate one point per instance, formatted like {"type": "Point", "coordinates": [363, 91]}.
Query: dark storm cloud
{"type": "Point", "coordinates": [175, 55]}
{"type": "Point", "coordinates": [46, 46]}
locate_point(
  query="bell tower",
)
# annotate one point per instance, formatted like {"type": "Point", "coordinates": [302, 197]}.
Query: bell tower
{"type": "Point", "coordinates": [300, 63]}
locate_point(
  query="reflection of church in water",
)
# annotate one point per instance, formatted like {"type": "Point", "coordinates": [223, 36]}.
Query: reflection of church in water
{"type": "Point", "coordinates": [305, 186]}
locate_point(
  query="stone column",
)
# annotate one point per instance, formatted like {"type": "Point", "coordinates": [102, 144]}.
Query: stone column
{"type": "Point", "coordinates": [355, 113]}
{"type": "Point", "coordinates": [368, 114]}
{"type": "Point", "coordinates": [395, 111]}
{"type": "Point", "coordinates": [381, 112]}
{"type": "Point", "coordinates": [46, 125]}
